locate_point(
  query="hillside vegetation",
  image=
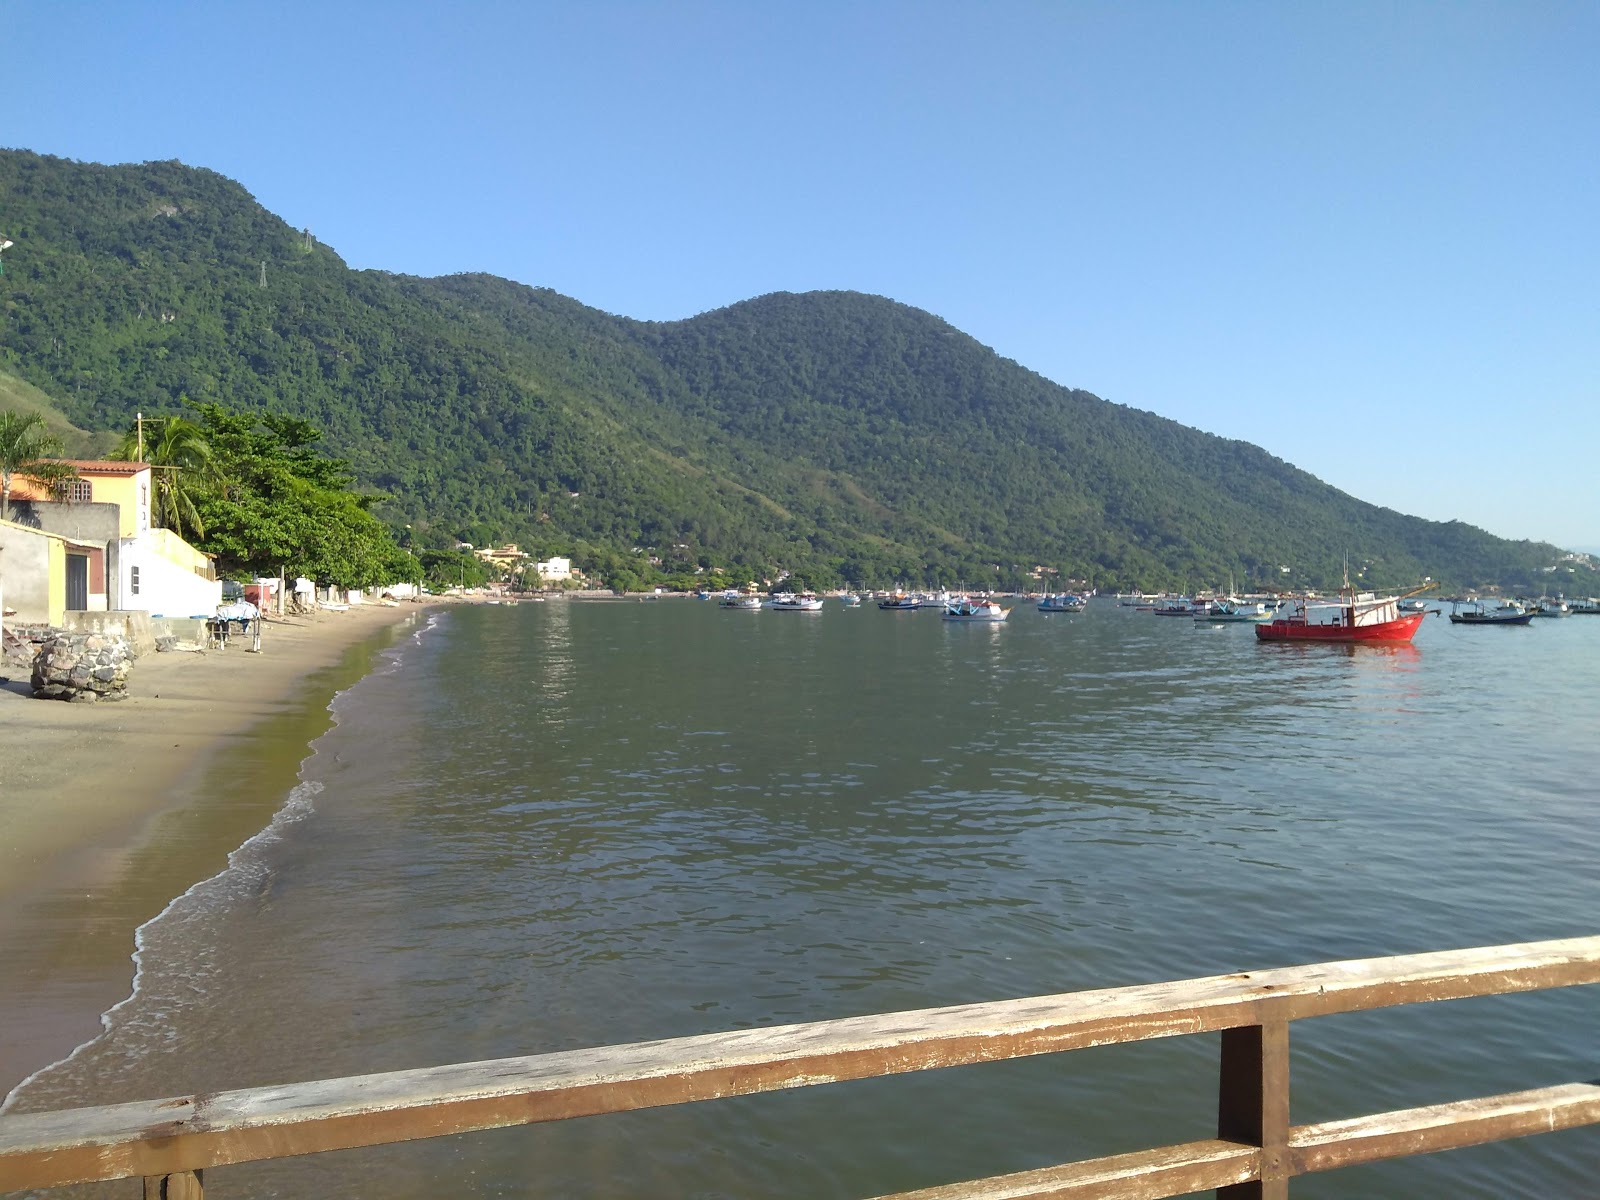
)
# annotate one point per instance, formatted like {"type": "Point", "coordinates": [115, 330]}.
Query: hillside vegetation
{"type": "Point", "coordinates": [837, 435]}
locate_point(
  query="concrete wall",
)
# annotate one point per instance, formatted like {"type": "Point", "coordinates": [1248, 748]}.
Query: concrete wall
{"type": "Point", "coordinates": [137, 627]}
{"type": "Point", "coordinates": [33, 574]}
{"type": "Point", "coordinates": [96, 523]}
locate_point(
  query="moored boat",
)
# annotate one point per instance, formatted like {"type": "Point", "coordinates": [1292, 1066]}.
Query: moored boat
{"type": "Point", "coordinates": [1509, 613]}
{"type": "Point", "coordinates": [1552, 607]}
{"type": "Point", "coordinates": [748, 601]}
{"type": "Point", "coordinates": [789, 602]}
{"type": "Point", "coordinates": [961, 608]}
{"type": "Point", "coordinates": [900, 602]}
{"type": "Point", "coordinates": [1065, 602]}
{"type": "Point", "coordinates": [1354, 617]}
{"type": "Point", "coordinates": [1231, 612]}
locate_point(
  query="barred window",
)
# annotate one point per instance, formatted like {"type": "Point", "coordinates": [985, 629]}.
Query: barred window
{"type": "Point", "coordinates": [75, 491]}
{"type": "Point", "coordinates": [133, 580]}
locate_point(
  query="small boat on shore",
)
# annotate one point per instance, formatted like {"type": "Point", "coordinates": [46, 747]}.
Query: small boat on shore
{"type": "Point", "coordinates": [962, 609]}
{"type": "Point", "coordinates": [1509, 613]}
{"type": "Point", "coordinates": [1354, 617]}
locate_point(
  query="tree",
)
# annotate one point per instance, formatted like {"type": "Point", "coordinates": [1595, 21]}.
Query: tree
{"type": "Point", "coordinates": [26, 450]}
{"type": "Point", "coordinates": [276, 505]}
{"type": "Point", "coordinates": [180, 458]}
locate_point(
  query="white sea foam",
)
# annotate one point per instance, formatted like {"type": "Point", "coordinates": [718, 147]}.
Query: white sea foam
{"type": "Point", "coordinates": [247, 874]}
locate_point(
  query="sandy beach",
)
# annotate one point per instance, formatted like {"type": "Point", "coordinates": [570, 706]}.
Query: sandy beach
{"type": "Point", "coordinates": [108, 811]}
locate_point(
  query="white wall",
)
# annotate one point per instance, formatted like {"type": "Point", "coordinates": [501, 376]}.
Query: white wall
{"type": "Point", "coordinates": [165, 587]}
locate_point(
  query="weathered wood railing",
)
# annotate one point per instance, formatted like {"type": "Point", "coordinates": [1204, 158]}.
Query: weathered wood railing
{"type": "Point", "coordinates": [1256, 1150]}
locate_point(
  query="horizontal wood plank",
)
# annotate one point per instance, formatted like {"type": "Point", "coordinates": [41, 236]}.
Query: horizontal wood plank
{"type": "Point", "coordinates": [1331, 1144]}
{"type": "Point", "coordinates": [1142, 1175]}
{"type": "Point", "coordinates": [158, 1137]}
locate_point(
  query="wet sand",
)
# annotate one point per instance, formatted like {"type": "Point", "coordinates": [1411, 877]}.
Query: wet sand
{"type": "Point", "coordinates": [108, 811]}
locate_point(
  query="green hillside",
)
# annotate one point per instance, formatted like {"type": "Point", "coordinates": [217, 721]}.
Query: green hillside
{"type": "Point", "coordinates": [835, 434]}
{"type": "Point", "coordinates": [19, 396]}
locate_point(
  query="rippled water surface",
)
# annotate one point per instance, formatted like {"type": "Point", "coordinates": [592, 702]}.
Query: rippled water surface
{"type": "Point", "coordinates": [561, 825]}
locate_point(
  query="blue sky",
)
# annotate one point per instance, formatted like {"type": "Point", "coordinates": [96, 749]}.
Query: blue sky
{"type": "Point", "coordinates": [1364, 236]}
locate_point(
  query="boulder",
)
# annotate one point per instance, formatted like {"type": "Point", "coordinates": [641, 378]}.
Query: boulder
{"type": "Point", "coordinates": [82, 667]}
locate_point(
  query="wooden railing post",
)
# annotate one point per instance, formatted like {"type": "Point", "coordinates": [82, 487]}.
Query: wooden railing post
{"type": "Point", "coordinates": [181, 1185]}
{"type": "Point", "coordinates": [1253, 1104]}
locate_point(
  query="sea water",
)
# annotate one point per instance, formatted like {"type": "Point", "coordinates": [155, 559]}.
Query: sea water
{"type": "Point", "coordinates": [560, 825]}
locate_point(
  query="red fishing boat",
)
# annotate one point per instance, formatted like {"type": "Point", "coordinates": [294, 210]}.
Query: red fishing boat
{"type": "Point", "coordinates": [1353, 617]}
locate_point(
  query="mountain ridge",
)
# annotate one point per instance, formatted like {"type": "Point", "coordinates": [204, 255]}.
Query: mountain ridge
{"type": "Point", "coordinates": [833, 433]}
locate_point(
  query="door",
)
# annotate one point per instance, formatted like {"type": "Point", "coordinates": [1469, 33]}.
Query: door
{"type": "Point", "coordinates": [77, 583]}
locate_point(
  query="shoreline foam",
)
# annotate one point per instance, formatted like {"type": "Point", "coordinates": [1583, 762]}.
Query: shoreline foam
{"type": "Point", "coordinates": [91, 795]}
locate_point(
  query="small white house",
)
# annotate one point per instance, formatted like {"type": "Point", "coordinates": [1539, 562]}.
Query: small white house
{"type": "Point", "coordinates": [553, 570]}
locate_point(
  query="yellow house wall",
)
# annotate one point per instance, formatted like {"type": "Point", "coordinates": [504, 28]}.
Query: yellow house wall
{"type": "Point", "coordinates": [58, 582]}
{"type": "Point", "coordinates": [178, 552]}
{"type": "Point", "coordinates": [131, 495]}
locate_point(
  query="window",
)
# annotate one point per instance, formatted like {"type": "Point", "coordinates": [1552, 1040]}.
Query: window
{"type": "Point", "coordinates": [133, 580]}
{"type": "Point", "coordinates": [76, 491]}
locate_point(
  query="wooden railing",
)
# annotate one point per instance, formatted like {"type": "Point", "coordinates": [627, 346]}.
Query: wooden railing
{"type": "Point", "coordinates": [1255, 1153]}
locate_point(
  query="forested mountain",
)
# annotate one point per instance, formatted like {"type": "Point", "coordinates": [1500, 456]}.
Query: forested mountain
{"type": "Point", "coordinates": [834, 434]}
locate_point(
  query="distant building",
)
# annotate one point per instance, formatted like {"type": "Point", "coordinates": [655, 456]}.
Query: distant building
{"type": "Point", "coordinates": [504, 558]}
{"type": "Point", "coordinates": [554, 570]}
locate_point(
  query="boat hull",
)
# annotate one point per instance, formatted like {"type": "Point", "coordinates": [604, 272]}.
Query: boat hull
{"type": "Point", "coordinates": [1401, 630]}
{"type": "Point", "coordinates": [1469, 619]}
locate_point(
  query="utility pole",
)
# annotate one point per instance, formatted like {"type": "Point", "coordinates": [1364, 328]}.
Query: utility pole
{"type": "Point", "coordinates": [138, 425]}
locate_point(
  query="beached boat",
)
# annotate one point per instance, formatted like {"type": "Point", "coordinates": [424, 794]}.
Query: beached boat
{"type": "Point", "coordinates": [900, 602]}
{"type": "Point", "coordinates": [1354, 617]}
{"type": "Point", "coordinates": [1066, 602]}
{"type": "Point", "coordinates": [1233, 612]}
{"type": "Point", "coordinates": [962, 609]}
{"type": "Point", "coordinates": [1509, 613]}
{"type": "Point", "coordinates": [789, 602]}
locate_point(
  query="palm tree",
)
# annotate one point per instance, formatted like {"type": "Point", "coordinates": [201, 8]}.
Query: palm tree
{"type": "Point", "coordinates": [26, 450]}
{"type": "Point", "coordinates": [180, 459]}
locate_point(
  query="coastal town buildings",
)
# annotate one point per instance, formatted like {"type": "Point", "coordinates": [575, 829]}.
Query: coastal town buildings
{"type": "Point", "coordinates": [109, 558]}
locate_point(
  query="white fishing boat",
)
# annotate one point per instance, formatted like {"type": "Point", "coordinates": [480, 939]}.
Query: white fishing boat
{"type": "Point", "coordinates": [747, 601]}
{"type": "Point", "coordinates": [961, 608]}
{"type": "Point", "coordinates": [790, 602]}
{"type": "Point", "coordinates": [1552, 607]}
{"type": "Point", "coordinates": [1231, 612]}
